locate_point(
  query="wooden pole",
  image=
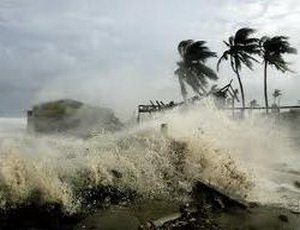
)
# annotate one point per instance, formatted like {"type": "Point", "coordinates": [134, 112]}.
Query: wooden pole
{"type": "Point", "coordinates": [164, 129]}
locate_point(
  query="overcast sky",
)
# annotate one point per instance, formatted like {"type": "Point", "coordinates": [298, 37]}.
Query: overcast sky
{"type": "Point", "coordinates": [119, 53]}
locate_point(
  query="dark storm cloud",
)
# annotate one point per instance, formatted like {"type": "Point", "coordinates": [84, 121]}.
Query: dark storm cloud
{"type": "Point", "coordinates": [119, 53]}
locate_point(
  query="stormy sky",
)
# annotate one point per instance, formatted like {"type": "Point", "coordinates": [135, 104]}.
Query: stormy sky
{"type": "Point", "coordinates": [119, 53]}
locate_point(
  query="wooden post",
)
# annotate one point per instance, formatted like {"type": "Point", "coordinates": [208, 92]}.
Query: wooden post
{"type": "Point", "coordinates": [164, 129]}
{"type": "Point", "coordinates": [138, 117]}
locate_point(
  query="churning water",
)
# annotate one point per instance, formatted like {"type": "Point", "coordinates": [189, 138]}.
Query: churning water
{"type": "Point", "coordinates": [250, 159]}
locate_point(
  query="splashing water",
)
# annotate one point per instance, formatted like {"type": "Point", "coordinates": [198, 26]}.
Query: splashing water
{"type": "Point", "coordinates": [242, 158]}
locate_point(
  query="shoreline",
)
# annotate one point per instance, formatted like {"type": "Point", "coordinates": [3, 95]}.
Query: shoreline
{"type": "Point", "coordinates": [209, 209]}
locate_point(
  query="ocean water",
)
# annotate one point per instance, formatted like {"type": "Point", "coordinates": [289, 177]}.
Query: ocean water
{"type": "Point", "coordinates": [255, 160]}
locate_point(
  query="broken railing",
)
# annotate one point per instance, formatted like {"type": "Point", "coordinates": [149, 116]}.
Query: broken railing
{"type": "Point", "coordinates": [227, 92]}
{"type": "Point", "coordinates": [160, 106]}
{"type": "Point", "coordinates": [225, 99]}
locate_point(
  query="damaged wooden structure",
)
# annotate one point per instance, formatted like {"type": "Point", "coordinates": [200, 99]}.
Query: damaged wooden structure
{"type": "Point", "coordinates": [223, 96]}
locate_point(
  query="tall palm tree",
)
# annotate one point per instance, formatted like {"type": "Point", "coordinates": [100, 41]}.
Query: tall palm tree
{"type": "Point", "coordinates": [192, 70]}
{"type": "Point", "coordinates": [241, 48]}
{"type": "Point", "coordinates": [272, 50]}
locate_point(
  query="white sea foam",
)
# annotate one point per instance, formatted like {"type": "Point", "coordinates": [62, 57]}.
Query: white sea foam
{"type": "Point", "coordinates": [239, 157]}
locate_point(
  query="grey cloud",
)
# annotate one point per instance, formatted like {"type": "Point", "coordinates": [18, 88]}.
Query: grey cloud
{"type": "Point", "coordinates": [119, 52]}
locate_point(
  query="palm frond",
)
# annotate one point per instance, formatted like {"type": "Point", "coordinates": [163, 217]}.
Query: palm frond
{"type": "Point", "coordinates": [291, 50]}
{"type": "Point", "coordinates": [193, 83]}
{"type": "Point", "coordinates": [192, 70]}
{"type": "Point", "coordinates": [198, 52]}
{"type": "Point", "coordinates": [277, 93]}
{"type": "Point", "coordinates": [202, 80]}
{"type": "Point", "coordinates": [203, 69]}
{"type": "Point", "coordinates": [250, 48]}
{"type": "Point", "coordinates": [251, 41]}
{"type": "Point", "coordinates": [245, 60]}
{"type": "Point", "coordinates": [242, 35]}
{"type": "Point", "coordinates": [226, 43]}
{"type": "Point", "coordinates": [232, 64]}
{"type": "Point", "coordinates": [182, 46]}
{"type": "Point", "coordinates": [214, 88]}
{"type": "Point", "coordinates": [241, 49]}
{"type": "Point", "coordinates": [246, 55]}
{"type": "Point", "coordinates": [273, 49]}
{"type": "Point", "coordinates": [231, 40]}
{"type": "Point", "coordinates": [183, 89]}
{"type": "Point", "coordinates": [223, 57]}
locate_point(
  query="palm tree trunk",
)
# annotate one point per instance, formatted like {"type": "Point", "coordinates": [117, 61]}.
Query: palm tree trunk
{"type": "Point", "coordinates": [232, 105]}
{"type": "Point", "coordinates": [241, 88]}
{"type": "Point", "coordinates": [266, 87]}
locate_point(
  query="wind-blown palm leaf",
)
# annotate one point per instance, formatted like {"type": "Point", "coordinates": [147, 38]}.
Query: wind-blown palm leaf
{"type": "Point", "coordinates": [202, 81]}
{"type": "Point", "coordinates": [245, 60]}
{"type": "Point", "coordinates": [194, 84]}
{"type": "Point", "coordinates": [203, 69]}
{"type": "Point", "coordinates": [242, 35]}
{"type": "Point", "coordinates": [272, 51]}
{"type": "Point", "coordinates": [226, 43]}
{"type": "Point", "coordinates": [277, 93]}
{"type": "Point", "coordinates": [231, 40]}
{"type": "Point", "coordinates": [182, 46]}
{"type": "Point", "coordinates": [196, 52]}
{"type": "Point", "coordinates": [191, 69]}
{"type": "Point", "coordinates": [214, 88]}
{"type": "Point", "coordinates": [252, 40]}
{"type": "Point", "coordinates": [182, 85]}
{"type": "Point", "coordinates": [223, 57]}
{"type": "Point", "coordinates": [253, 103]}
{"type": "Point", "coordinates": [246, 55]}
{"type": "Point", "coordinates": [237, 61]}
{"type": "Point", "coordinates": [252, 48]}
{"type": "Point", "coordinates": [240, 49]}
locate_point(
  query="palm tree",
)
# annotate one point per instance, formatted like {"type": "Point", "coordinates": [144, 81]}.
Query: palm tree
{"type": "Point", "coordinates": [276, 94]}
{"type": "Point", "coordinates": [253, 103]}
{"type": "Point", "coordinates": [241, 48]}
{"type": "Point", "coordinates": [192, 70]}
{"type": "Point", "coordinates": [272, 50]}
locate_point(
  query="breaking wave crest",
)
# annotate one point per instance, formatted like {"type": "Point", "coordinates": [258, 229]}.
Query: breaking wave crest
{"type": "Point", "coordinates": [201, 145]}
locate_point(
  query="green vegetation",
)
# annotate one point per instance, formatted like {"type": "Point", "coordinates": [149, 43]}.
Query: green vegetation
{"type": "Point", "coordinates": [56, 108]}
{"type": "Point", "coordinates": [192, 70]}
{"type": "Point", "coordinates": [272, 50]}
{"type": "Point", "coordinates": [72, 117]}
{"type": "Point", "coordinates": [242, 49]}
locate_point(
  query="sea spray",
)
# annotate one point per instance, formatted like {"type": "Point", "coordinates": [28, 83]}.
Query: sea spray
{"type": "Point", "coordinates": [211, 147]}
{"type": "Point", "coordinates": [257, 145]}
